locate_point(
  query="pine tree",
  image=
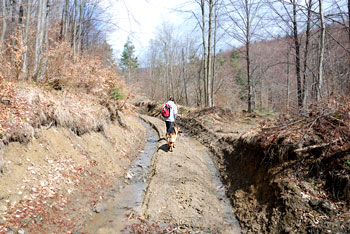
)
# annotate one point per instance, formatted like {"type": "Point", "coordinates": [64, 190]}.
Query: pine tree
{"type": "Point", "coordinates": [128, 61]}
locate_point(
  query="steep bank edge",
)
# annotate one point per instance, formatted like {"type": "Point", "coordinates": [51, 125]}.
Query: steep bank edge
{"type": "Point", "coordinates": [266, 195]}
{"type": "Point", "coordinates": [56, 180]}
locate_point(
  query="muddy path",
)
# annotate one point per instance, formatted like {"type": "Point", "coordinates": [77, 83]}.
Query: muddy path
{"type": "Point", "coordinates": [177, 191]}
{"type": "Point", "coordinates": [184, 189]}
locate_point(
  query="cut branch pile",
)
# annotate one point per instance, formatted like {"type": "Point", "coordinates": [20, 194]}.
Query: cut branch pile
{"type": "Point", "coordinates": [318, 142]}
{"type": "Point", "coordinates": [326, 126]}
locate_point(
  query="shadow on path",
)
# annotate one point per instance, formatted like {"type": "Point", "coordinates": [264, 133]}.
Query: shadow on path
{"type": "Point", "coordinates": [164, 147]}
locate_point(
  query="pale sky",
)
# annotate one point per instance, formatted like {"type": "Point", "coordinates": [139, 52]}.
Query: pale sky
{"type": "Point", "coordinates": [140, 19]}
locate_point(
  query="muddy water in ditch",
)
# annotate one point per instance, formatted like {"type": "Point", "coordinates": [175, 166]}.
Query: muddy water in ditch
{"type": "Point", "coordinates": [126, 200]}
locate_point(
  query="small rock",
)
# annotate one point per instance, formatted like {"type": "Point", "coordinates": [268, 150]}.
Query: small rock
{"type": "Point", "coordinates": [100, 207]}
{"type": "Point", "coordinates": [3, 208]}
{"type": "Point", "coordinates": [304, 196]}
{"type": "Point", "coordinates": [314, 202]}
{"type": "Point", "coordinates": [128, 176]}
{"type": "Point", "coordinates": [10, 232]}
{"type": "Point", "coordinates": [21, 231]}
{"type": "Point", "coordinates": [327, 206]}
{"type": "Point", "coordinates": [5, 101]}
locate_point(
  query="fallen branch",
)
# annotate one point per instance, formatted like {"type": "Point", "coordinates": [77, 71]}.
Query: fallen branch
{"type": "Point", "coordinates": [316, 146]}
{"type": "Point", "coordinates": [285, 125]}
{"type": "Point", "coordinates": [308, 119]}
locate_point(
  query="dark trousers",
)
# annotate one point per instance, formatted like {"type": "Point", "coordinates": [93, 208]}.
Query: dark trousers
{"type": "Point", "coordinates": [169, 126]}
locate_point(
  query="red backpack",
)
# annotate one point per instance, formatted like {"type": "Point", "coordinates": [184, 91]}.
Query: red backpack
{"type": "Point", "coordinates": [166, 111]}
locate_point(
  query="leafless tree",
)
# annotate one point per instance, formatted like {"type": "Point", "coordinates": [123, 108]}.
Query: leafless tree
{"type": "Point", "coordinates": [321, 52]}
{"type": "Point", "coordinates": [243, 23]}
{"type": "Point", "coordinates": [25, 38]}
{"type": "Point", "coordinates": [4, 23]}
{"type": "Point", "coordinates": [40, 34]}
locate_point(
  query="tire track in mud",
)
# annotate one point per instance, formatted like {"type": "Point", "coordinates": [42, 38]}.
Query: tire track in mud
{"type": "Point", "coordinates": [184, 189]}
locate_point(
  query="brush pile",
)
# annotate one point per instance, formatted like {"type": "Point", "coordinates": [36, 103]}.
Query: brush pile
{"type": "Point", "coordinates": [319, 138]}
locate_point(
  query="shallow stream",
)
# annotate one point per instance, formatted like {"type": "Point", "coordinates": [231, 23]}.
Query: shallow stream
{"type": "Point", "coordinates": [126, 200]}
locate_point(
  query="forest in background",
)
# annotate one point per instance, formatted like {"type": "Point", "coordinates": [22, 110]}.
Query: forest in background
{"type": "Point", "coordinates": [282, 56]}
{"type": "Point", "coordinates": [47, 40]}
{"type": "Point", "coordinates": [289, 54]}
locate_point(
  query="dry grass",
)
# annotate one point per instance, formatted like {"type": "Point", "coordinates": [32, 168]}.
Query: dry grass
{"type": "Point", "coordinates": [71, 95]}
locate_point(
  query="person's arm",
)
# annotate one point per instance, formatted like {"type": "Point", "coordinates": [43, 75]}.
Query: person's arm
{"type": "Point", "coordinates": [175, 111]}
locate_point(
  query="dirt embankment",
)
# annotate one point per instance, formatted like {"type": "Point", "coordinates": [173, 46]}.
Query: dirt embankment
{"type": "Point", "coordinates": [271, 190]}
{"type": "Point", "coordinates": [54, 183]}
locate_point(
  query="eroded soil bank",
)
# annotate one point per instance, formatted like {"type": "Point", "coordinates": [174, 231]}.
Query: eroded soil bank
{"type": "Point", "coordinates": [54, 183]}
{"type": "Point", "coordinates": [270, 193]}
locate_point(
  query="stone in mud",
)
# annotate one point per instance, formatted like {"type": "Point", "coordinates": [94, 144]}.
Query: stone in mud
{"type": "Point", "coordinates": [3, 208]}
{"type": "Point", "coordinates": [100, 207]}
{"type": "Point", "coordinates": [314, 203]}
{"type": "Point", "coordinates": [129, 175]}
{"type": "Point", "coordinates": [328, 207]}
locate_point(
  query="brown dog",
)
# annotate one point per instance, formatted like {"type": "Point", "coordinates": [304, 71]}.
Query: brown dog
{"type": "Point", "coordinates": [171, 138]}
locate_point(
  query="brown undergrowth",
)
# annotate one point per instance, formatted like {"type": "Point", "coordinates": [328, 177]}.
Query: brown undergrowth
{"type": "Point", "coordinates": [75, 95]}
{"type": "Point", "coordinates": [64, 141]}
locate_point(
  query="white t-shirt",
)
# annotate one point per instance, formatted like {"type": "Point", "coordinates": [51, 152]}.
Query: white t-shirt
{"type": "Point", "coordinates": [173, 111]}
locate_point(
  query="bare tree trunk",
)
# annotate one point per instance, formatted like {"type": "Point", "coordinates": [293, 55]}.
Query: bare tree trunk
{"type": "Point", "coordinates": [247, 46]}
{"type": "Point", "coordinates": [205, 68]}
{"type": "Point", "coordinates": [82, 6]}
{"type": "Point", "coordinates": [214, 52]}
{"type": "Point", "coordinates": [75, 28]}
{"type": "Point", "coordinates": [46, 38]}
{"type": "Point", "coordinates": [25, 39]}
{"type": "Point", "coordinates": [349, 19]}
{"type": "Point", "coordinates": [209, 66]}
{"type": "Point", "coordinates": [288, 81]}
{"type": "Point", "coordinates": [12, 28]}
{"type": "Point", "coordinates": [184, 73]}
{"type": "Point", "coordinates": [306, 52]}
{"type": "Point", "coordinates": [320, 63]}
{"type": "Point", "coordinates": [171, 75]}
{"type": "Point", "coordinates": [66, 21]}
{"type": "Point", "coordinates": [39, 39]}
{"type": "Point", "coordinates": [20, 14]}
{"type": "Point", "coordinates": [4, 24]}
{"type": "Point", "coordinates": [297, 55]}
{"type": "Point", "coordinates": [199, 96]}
{"type": "Point", "coordinates": [261, 89]}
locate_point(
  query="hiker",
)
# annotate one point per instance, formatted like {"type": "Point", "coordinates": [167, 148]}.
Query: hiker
{"type": "Point", "coordinates": [169, 112]}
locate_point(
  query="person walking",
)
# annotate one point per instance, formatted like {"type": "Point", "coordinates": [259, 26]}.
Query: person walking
{"type": "Point", "coordinates": [169, 112]}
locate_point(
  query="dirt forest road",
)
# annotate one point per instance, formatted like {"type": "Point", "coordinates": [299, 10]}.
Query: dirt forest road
{"type": "Point", "coordinates": [167, 192]}
{"type": "Point", "coordinates": [184, 189]}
